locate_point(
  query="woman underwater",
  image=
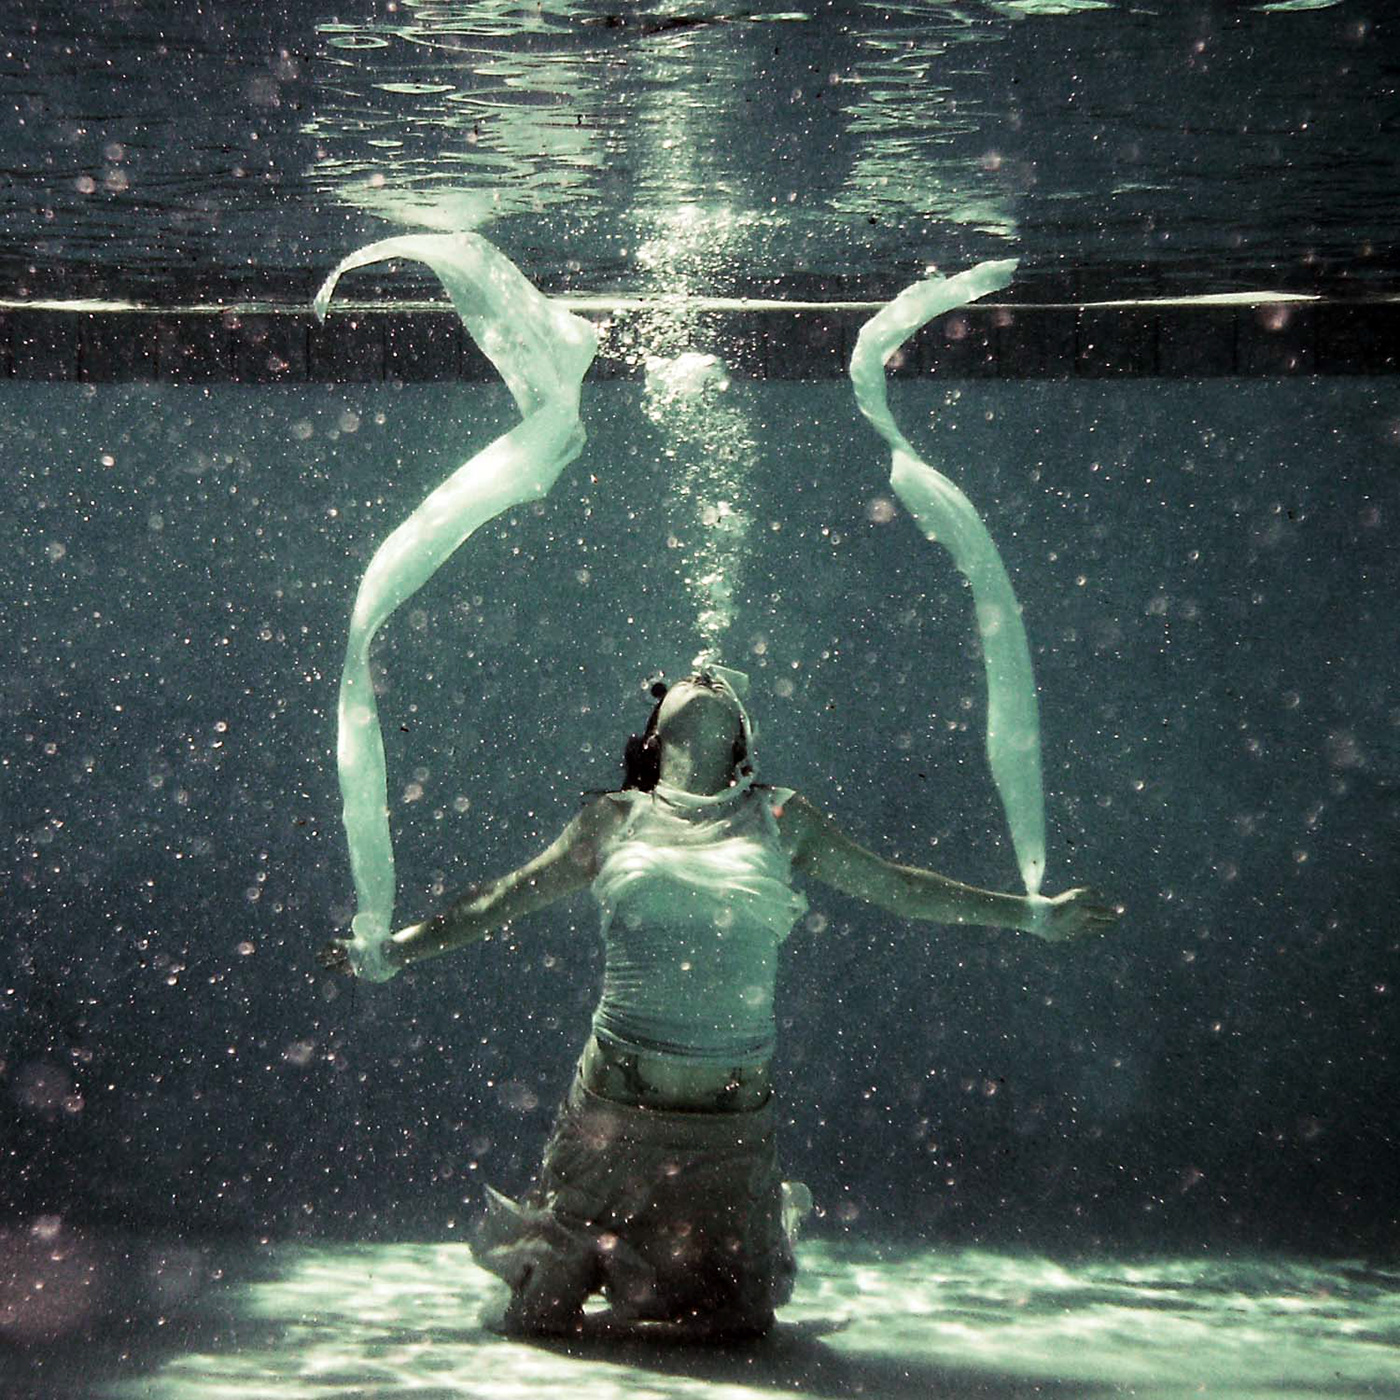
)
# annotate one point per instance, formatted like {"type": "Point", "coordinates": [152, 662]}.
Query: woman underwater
{"type": "Point", "coordinates": [660, 1185]}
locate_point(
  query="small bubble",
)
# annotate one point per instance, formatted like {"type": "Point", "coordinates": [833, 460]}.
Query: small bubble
{"type": "Point", "coordinates": [518, 1096]}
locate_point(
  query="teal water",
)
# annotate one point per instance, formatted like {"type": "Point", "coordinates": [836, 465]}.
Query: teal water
{"type": "Point", "coordinates": [1208, 582]}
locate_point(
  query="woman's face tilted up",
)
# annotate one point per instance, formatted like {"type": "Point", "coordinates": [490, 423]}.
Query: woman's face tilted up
{"type": "Point", "coordinates": [702, 712]}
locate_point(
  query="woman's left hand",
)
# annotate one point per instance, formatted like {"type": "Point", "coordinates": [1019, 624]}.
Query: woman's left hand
{"type": "Point", "coordinates": [1071, 915]}
{"type": "Point", "coordinates": [335, 957]}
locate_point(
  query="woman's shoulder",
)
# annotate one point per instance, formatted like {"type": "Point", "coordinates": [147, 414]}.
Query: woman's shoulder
{"type": "Point", "coordinates": [604, 813]}
{"type": "Point", "coordinates": [796, 819]}
{"type": "Point", "coordinates": [599, 806]}
{"type": "Point", "coordinates": [600, 823]}
{"type": "Point", "coordinates": [603, 797]}
{"type": "Point", "coordinates": [777, 796]}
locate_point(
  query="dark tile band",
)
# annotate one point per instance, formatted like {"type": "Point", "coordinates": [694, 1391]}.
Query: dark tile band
{"type": "Point", "coordinates": [358, 345]}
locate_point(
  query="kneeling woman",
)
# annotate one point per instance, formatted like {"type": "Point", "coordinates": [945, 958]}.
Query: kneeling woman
{"type": "Point", "coordinates": [660, 1185]}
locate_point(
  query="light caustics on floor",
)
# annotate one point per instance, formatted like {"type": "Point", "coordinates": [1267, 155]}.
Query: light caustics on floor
{"type": "Point", "coordinates": [333, 1321]}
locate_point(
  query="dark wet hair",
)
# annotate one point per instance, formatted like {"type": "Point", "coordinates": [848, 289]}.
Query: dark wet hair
{"type": "Point", "coordinates": [641, 759]}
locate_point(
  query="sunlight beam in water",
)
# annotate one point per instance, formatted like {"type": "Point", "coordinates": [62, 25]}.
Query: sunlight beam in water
{"type": "Point", "coordinates": [707, 441]}
{"type": "Point", "coordinates": [708, 449]}
{"type": "Point", "coordinates": [328, 1322]}
{"type": "Point", "coordinates": [686, 248]}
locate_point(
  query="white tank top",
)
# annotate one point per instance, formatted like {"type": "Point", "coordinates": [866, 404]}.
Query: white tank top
{"type": "Point", "coordinates": [696, 895]}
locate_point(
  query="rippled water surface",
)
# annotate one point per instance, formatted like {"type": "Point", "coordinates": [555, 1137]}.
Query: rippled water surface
{"type": "Point", "coordinates": [207, 150]}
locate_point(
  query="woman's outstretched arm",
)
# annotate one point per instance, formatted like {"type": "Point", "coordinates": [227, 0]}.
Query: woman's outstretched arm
{"type": "Point", "coordinates": [821, 849]}
{"type": "Point", "coordinates": [567, 865]}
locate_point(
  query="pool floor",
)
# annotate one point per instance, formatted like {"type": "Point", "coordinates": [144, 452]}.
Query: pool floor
{"type": "Point", "coordinates": [324, 1321]}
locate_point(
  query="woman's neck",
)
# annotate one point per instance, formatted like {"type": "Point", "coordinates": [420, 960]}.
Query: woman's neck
{"type": "Point", "coordinates": [703, 772]}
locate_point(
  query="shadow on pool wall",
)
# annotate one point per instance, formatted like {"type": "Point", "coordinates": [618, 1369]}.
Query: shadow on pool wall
{"type": "Point", "coordinates": [1206, 573]}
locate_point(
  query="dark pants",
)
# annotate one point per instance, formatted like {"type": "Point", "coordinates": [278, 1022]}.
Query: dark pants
{"type": "Point", "coordinates": [675, 1217]}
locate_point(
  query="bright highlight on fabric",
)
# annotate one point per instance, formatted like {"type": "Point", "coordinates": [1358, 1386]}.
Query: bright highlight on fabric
{"type": "Point", "coordinates": [542, 353]}
{"type": "Point", "coordinates": [945, 514]}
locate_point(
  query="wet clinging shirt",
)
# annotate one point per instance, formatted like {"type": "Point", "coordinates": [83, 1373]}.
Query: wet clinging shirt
{"type": "Point", "coordinates": [696, 895]}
